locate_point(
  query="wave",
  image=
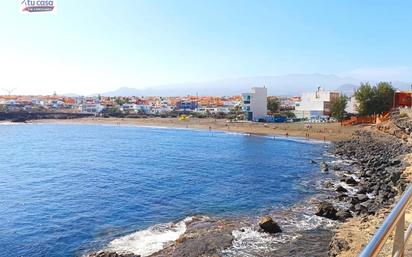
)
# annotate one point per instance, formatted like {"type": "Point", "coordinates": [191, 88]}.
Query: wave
{"type": "Point", "coordinates": [9, 123]}
{"type": "Point", "coordinates": [148, 241]}
{"type": "Point", "coordinates": [250, 241]}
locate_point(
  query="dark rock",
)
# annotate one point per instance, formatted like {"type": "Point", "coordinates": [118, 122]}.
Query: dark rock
{"type": "Point", "coordinates": [342, 196]}
{"type": "Point", "coordinates": [19, 119]}
{"type": "Point", "coordinates": [337, 245]}
{"type": "Point", "coordinates": [269, 225]}
{"type": "Point", "coordinates": [324, 166]}
{"type": "Point", "coordinates": [362, 190]}
{"type": "Point", "coordinates": [335, 167]}
{"type": "Point", "coordinates": [351, 181]}
{"type": "Point", "coordinates": [326, 209]}
{"type": "Point", "coordinates": [373, 208]}
{"type": "Point", "coordinates": [341, 189]}
{"type": "Point", "coordinates": [362, 197]}
{"type": "Point", "coordinates": [342, 215]}
{"type": "Point", "coordinates": [202, 238]}
{"type": "Point", "coordinates": [353, 200]}
{"type": "Point", "coordinates": [395, 176]}
{"type": "Point", "coordinates": [328, 184]}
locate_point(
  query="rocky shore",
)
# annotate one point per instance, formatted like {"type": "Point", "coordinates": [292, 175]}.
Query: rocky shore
{"type": "Point", "coordinates": [370, 187]}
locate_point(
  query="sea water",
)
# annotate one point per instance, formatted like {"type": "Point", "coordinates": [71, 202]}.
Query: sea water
{"type": "Point", "coordinates": [66, 190]}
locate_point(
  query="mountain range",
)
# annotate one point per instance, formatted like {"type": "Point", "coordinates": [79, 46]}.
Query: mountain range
{"type": "Point", "coordinates": [287, 85]}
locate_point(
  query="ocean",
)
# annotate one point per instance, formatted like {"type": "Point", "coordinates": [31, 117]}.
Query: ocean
{"type": "Point", "coordinates": [66, 190]}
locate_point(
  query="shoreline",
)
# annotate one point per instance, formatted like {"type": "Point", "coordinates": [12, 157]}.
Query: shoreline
{"type": "Point", "coordinates": [240, 133]}
{"type": "Point", "coordinates": [319, 131]}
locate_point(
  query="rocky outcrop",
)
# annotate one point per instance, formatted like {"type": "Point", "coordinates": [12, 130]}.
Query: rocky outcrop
{"type": "Point", "coordinates": [267, 224]}
{"type": "Point", "coordinates": [203, 237]}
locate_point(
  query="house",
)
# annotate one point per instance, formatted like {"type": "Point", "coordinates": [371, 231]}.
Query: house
{"type": "Point", "coordinates": [186, 105]}
{"type": "Point", "coordinates": [315, 105]}
{"type": "Point", "coordinates": [91, 108]}
{"type": "Point", "coordinates": [402, 99]}
{"type": "Point", "coordinates": [254, 104]}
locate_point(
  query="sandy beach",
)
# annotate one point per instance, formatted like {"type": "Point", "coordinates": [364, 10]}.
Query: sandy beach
{"type": "Point", "coordinates": [319, 131]}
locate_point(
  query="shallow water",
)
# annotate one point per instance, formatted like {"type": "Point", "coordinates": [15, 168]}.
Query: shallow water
{"type": "Point", "coordinates": [69, 189]}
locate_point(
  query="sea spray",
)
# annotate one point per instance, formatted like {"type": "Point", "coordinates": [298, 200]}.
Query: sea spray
{"type": "Point", "coordinates": [150, 240]}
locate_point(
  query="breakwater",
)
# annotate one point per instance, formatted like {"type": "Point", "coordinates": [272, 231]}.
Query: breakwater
{"type": "Point", "coordinates": [374, 181]}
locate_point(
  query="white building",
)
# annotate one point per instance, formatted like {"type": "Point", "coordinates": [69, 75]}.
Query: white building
{"type": "Point", "coordinates": [315, 105]}
{"type": "Point", "coordinates": [254, 104]}
{"type": "Point", "coordinates": [137, 108]}
{"type": "Point", "coordinates": [91, 108]}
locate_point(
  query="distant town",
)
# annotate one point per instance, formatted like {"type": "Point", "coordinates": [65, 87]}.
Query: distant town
{"type": "Point", "coordinates": [255, 105]}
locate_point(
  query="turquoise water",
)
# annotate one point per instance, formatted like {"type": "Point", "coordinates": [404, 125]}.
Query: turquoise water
{"type": "Point", "coordinates": [67, 189]}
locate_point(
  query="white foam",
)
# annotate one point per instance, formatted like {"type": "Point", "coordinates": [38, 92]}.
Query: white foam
{"type": "Point", "coordinates": [150, 240]}
{"type": "Point", "coordinates": [248, 241]}
{"type": "Point", "coordinates": [9, 123]}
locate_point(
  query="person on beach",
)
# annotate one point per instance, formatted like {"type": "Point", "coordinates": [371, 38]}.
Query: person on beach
{"type": "Point", "coordinates": [287, 134]}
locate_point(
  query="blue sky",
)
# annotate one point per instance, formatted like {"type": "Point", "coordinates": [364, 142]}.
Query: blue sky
{"type": "Point", "coordinates": [95, 46]}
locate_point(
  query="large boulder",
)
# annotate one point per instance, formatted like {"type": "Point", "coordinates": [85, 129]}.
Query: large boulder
{"type": "Point", "coordinates": [269, 225]}
{"type": "Point", "coordinates": [326, 209]}
{"type": "Point", "coordinates": [362, 197]}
